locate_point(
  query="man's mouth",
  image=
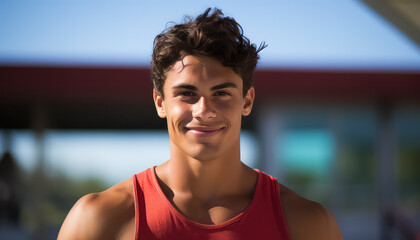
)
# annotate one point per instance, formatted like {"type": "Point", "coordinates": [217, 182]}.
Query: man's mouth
{"type": "Point", "coordinates": [204, 132]}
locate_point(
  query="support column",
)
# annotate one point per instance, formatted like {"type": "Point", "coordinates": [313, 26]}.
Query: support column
{"type": "Point", "coordinates": [39, 126]}
{"type": "Point", "coordinates": [269, 128]}
{"type": "Point", "coordinates": [386, 166]}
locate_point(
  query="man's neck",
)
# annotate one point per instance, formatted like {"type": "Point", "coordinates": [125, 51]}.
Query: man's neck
{"type": "Point", "coordinates": [206, 179]}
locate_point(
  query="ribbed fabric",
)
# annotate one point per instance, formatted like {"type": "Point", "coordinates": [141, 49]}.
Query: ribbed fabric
{"type": "Point", "coordinates": [156, 218]}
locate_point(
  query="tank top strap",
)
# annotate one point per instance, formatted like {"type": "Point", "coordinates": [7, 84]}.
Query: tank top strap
{"type": "Point", "coordinates": [138, 196]}
{"type": "Point", "coordinates": [272, 187]}
{"type": "Point", "coordinates": [144, 194]}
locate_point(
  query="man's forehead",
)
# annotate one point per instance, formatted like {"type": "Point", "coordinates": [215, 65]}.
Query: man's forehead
{"type": "Point", "coordinates": [188, 61]}
{"type": "Point", "coordinates": [194, 70]}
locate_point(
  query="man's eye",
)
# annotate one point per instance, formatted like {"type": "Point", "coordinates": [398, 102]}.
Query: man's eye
{"type": "Point", "coordinates": [187, 93]}
{"type": "Point", "coordinates": [222, 93]}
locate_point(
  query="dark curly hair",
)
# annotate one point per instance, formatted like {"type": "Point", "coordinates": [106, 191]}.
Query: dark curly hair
{"type": "Point", "coordinates": [215, 36]}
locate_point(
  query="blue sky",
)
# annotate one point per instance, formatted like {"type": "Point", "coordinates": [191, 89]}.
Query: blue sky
{"type": "Point", "coordinates": [301, 34]}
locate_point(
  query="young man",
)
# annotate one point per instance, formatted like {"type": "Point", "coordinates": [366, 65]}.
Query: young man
{"type": "Point", "coordinates": [202, 72]}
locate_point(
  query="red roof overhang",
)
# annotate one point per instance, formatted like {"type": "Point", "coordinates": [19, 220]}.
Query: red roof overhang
{"type": "Point", "coordinates": [92, 90]}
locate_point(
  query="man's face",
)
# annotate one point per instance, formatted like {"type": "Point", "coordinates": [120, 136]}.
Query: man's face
{"type": "Point", "coordinates": [203, 106]}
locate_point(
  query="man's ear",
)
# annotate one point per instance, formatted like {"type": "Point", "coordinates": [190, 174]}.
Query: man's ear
{"type": "Point", "coordinates": [248, 102]}
{"type": "Point", "coordinates": [159, 104]}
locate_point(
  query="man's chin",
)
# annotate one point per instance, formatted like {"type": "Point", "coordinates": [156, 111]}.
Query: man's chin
{"type": "Point", "coordinates": [204, 153]}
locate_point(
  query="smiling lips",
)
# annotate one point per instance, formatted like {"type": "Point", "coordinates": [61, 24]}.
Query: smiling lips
{"type": "Point", "coordinates": [204, 132]}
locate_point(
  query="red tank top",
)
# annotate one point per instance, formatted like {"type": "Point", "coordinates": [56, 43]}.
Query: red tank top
{"type": "Point", "coordinates": [156, 218]}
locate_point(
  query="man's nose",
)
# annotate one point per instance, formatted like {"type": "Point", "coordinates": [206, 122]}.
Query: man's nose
{"type": "Point", "coordinates": [203, 110]}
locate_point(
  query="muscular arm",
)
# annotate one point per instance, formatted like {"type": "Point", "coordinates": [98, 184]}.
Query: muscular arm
{"type": "Point", "coordinates": [307, 219]}
{"type": "Point", "coordinates": [105, 215]}
{"type": "Point", "coordinates": [86, 220]}
{"type": "Point", "coordinates": [315, 222]}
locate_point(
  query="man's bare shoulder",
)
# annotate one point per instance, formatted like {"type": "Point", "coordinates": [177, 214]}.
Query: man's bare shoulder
{"type": "Point", "coordinates": [106, 215]}
{"type": "Point", "coordinates": [308, 219]}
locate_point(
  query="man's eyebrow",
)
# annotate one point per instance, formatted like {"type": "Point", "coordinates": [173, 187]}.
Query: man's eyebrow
{"type": "Point", "coordinates": [185, 86]}
{"type": "Point", "coordinates": [224, 85]}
